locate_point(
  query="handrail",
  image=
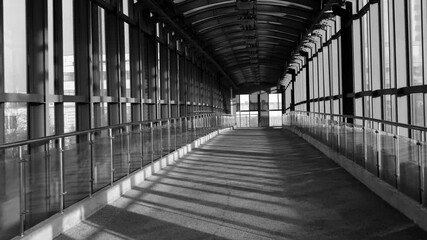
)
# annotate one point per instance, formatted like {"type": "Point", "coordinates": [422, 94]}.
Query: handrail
{"type": "Point", "coordinates": [77, 133]}
{"type": "Point", "coordinates": [132, 149]}
{"type": "Point", "coordinates": [403, 125]}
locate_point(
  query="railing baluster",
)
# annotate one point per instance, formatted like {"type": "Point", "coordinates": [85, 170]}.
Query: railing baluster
{"type": "Point", "coordinates": [92, 164]}
{"type": "Point", "coordinates": [379, 155]}
{"type": "Point", "coordinates": [421, 172]}
{"type": "Point", "coordinates": [110, 135]}
{"type": "Point", "coordinates": [141, 140]}
{"type": "Point", "coordinates": [22, 196]}
{"type": "Point", "coordinates": [127, 134]}
{"type": "Point", "coordinates": [397, 147]}
{"type": "Point", "coordinates": [61, 175]}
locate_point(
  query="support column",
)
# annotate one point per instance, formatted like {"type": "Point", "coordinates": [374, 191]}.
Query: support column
{"type": "Point", "coordinates": [307, 79]}
{"type": "Point", "coordinates": [283, 91]}
{"type": "Point", "coordinates": [347, 76]}
{"type": "Point", "coordinates": [37, 186]}
{"type": "Point", "coordinates": [82, 65]}
{"type": "Point", "coordinates": [294, 76]}
{"type": "Point", "coordinates": [113, 84]}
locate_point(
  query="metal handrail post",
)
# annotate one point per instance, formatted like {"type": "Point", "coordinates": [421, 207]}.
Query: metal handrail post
{"type": "Point", "coordinates": [92, 165]}
{"type": "Point", "coordinates": [127, 134]}
{"type": "Point", "coordinates": [22, 205]}
{"type": "Point", "coordinates": [397, 156]}
{"type": "Point", "coordinates": [141, 138]}
{"type": "Point", "coordinates": [421, 172]}
{"type": "Point", "coordinates": [160, 126]}
{"type": "Point", "coordinates": [152, 141]}
{"type": "Point", "coordinates": [110, 135]}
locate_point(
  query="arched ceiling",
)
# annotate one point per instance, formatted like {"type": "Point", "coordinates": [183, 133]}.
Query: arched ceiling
{"type": "Point", "coordinates": [252, 40]}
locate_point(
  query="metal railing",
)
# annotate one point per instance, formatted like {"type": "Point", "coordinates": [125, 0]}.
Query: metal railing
{"type": "Point", "coordinates": [44, 176]}
{"type": "Point", "coordinates": [394, 152]}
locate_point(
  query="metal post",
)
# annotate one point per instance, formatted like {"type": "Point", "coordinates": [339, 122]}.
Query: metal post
{"type": "Point", "coordinates": [365, 151]}
{"type": "Point", "coordinates": [92, 165]}
{"type": "Point", "coordinates": [379, 155]}
{"type": "Point", "coordinates": [22, 196]}
{"type": "Point", "coordinates": [195, 122]}
{"type": "Point", "coordinates": [423, 166]}
{"type": "Point", "coordinates": [193, 128]}
{"type": "Point", "coordinates": [110, 135]}
{"type": "Point", "coordinates": [345, 136]}
{"type": "Point", "coordinates": [354, 141]}
{"type": "Point", "coordinates": [152, 141]}
{"type": "Point", "coordinates": [397, 153]}
{"type": "Point", "coordinates": [176, 133]}
{"type": "Point", "coordinates": [127, 134]}
{"type": "Point", "coordinates": [169, 134]}
{"type": "Point", "coordinates": [421, 172]}
{"type": "Point", "coordinates": [186, 129]}
{"type": "Point", "coordinates": [141, 138]}
{"type": "Point", "coordinates": [61, 175]}
{"type": "Point", "coordinates": [180, 132]}
{"type": "Point", "coordinates": [160, 126]}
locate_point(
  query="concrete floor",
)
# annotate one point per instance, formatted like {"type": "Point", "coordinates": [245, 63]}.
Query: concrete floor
{"type": "Point", "coordinates": [249, 184]}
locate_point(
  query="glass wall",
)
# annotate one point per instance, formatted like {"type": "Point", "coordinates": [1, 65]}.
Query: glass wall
{"type": "Point", "coordinates": [72, 65]}
{"type": "Point", "coordinates": [259, 110]}
{"type": "Point", "coordinates": [388, 64]}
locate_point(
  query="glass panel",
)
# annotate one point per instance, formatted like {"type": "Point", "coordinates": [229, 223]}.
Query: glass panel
{"type": "Point", "coordinates": [51, 120]}
{"type": "Point", "coordinates": [388, 159]}
{"type": "Point", "coordinates": [386, 45]}
{"type": "Point", "coordinates": [157, 141]}
{"type": "Point", "coordinates": [127, 60]}
{"type": "Point", "coordinates": [417, 110]}
{"type": "Point", "coordinates": [104, 114]}
{"type": "Point", "coordinates": [147, 147]}
{"type": "Point", "coordinates": [359, 156]}
{"type": "Point", "coordinates": [69, 117]}
{"type": "Point", "coordinates": [253, 121]}
{"type": "Point", "coordinates": [120, 153]}
{"type": "Point", "coordinates": [135, 148]}
{"type": "Point", "coordinates": [165, 138]}
{"type": "Point", "coordinates": [101, 160]}
{"type": "Point", "coordinates": [15, 121]}
{"type": "Point", "coordinates": [51, 46]}
{"type": "Point", "coordinates": [77, 170]}
{"type": "Point", "coordinates": [68, 46]}
{"type": "Point", "coordinates": [191, 130]}
{"type": "Point", "coordinates": [41, 184]}
{"type": "Point", "coordinates": [342, 138]}
{"type": "Point", "coordinates": [125, 7]}
{"type": "Point", "coordinates": [15, 46]}
{"type": "Point", "coordinates": [102, 57]}
{"type": "Point", "coordinates": [371, 151]}
{"type": "Point", "coordinates": [173, 135]}
{"type": "Point", "coordinates": [244, 102]}
{"type": "Point", "coordinates": [275, 118]}
{"type": "Point", "coordinates": [264, 118]}
{"type": "Point", "coordinates": [179, 134]}
{"type": "Point", "coordinates": [350, 141]}
{"type": "Point", "coordinates": [128, 117]}
{"type": "Point", "coordinates": [409, 170]}
{"type": "Point", "coordinates": [417, 47]}
{"type": "Point", "coordinates": [9, 194]}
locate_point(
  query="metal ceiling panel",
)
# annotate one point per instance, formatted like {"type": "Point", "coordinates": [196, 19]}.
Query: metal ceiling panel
{"type": "Point", "coordinates": [251, 39]}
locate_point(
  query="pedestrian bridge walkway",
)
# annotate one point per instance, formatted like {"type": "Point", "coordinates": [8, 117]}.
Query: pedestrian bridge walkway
{"type": "Point", "coordinates": [249, 184]}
